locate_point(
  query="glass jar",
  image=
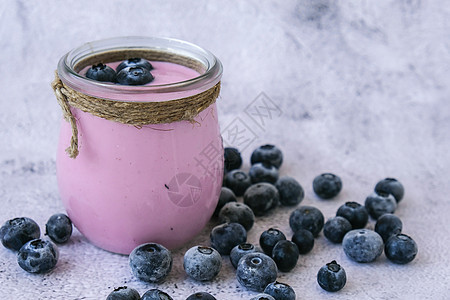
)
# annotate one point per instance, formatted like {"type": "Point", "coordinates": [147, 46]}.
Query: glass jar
{"type": "Point", "coordinates": [133, 184]}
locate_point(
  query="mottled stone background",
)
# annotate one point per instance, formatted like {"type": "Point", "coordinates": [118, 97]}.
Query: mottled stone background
{"type": "Point", "coordinates": [358, 88]}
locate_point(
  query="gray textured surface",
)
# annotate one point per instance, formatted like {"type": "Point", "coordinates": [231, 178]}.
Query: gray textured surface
{"type": "Point", "coordinates": [362, 89]}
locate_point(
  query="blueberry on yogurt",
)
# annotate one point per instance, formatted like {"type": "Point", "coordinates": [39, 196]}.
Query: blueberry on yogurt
{"type": "Point", "coordinates": [134, 76]}
{"type": "Point", "coordinates": [135, 62]}
{"type": "Point", "coordinates": [101, 72]}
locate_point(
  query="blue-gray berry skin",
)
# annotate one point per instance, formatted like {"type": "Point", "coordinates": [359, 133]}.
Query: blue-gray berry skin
{"type": "Point", "coordinates": [239, 251]}
{"type": "Point", "coordinates": [201, 296]}
{"type": "Point", "coordinates": [150, 262]}
{"type": "Point", "coordinates": [307, 217]}
{"type": "Point", "coordinates": [327, 185]}
{"type": "Point", "coordinates": [255, 271]}
{"type": "Point", "coordinates": [101, 72]}
{"type": "Point", "coordinates": [202, 263]}
{"type": "Point", "coordinates": [400, 249]}
{"type": "Point", "coordinates": [332, 277]}
{"type": "Point", "coordinates": [232, 158]}
{"type": "Point", "coordinates": [391, 186]}
{"type": "Point", "coordinates": [124, 293]}
{"type": "Point", "coordinates": [261, 197]}
{"type": "Point", "coordinates": [134, 76]}
{"type": "Point", "coordinates": [235, 212]}
{"type": "Point", "coordinates": [135, 62]}
{"type": "Point", "coordinates": [263, 296]}
{"type": "Point", "coordinates": [269, 154]}
{"type": "Point", "coordinates": [355, 213]}
{"type": "Point", "coordinates": [16, 232]}
{"type": "Point", "coordinates": [269, 238]}
{"type": "Point", "coordinates": [225, 237]}
{"type": "Point", "coordinates": [59, 228]}
{"type": "Point", "coordinates": [226, 196]}
{"type": "Point", "coordinates": [285, 254]}
{"type": "Point", "coordinates": [263, 172]}
{"type": "Point", "coordinates": [238, 181]}
{"type": "Point", "coordinates": [155, 294]}
{"type": "Point", "coordinates": [380, 204]}
{"type": "Point", "coordinates": [280, 291]}
{"type": "Point", "coordinates": [388, 225]}
{"type": "Point", "coordinates": [362, 245]}
{"type": "Point", "coordinates": [291, 192]}
{"type": "Point", "coordinates": [38, 256]}
{"type": "Point", "coordinates": [335, 229]}
{"type": "Point", "coordinates": [304, 240]}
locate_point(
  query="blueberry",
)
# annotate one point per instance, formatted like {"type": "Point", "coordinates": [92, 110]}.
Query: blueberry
{"type": "Point", "coordinates": [124, 293]}
{"type": "Point", "coordinates": [327, 185]}
{"type": "Point", "coordinates": [232, 158]}
{"type": "Point", "coordinates": [261, 197]}
{"type": "Point", "coordinates": [285, 254]}
{"type": "Point", "coordinates": [280, 291]}
{"type": "Point", "coordinates": [101, 72]}
{"type": "Point", "coordinates": [307, 217]}
{"type": "Point", "coordinates": [16, 232]}
{"type": "Point", "coordinates": [263, 172]}
{"type": "Point", "coordinates": [332, 277]}
{"type": "Point", "coordinates": [362, 245]}
{"type": "Point", "coordinates": [388, 225]}
{"type": "Point", "coordinates": [226, 196]}
{"type": "Point", "coordinates": [262, 296]}
{"type": "Point", "coordinates": [391, 186]}
{"type": "Point", "coordinates": [135, 62]}
{"type": "Point", "coordinates": [226, 236]}
{"type": "Point", "coordinates": [291, 192]}
{"type": "Point", "coordinates": [202, 263]}
{"type": "Point", "coordinates": [304, 240]}
{"type": "Point", "coordinates": [269, 238]}
{"type": "Point", "coordinates": [238, 181]}
{"type": "Point", "coordinates": [240, 250]}
{"type": "Point", "coordinates": [201, 296]}
{"type": "Point", "coordinates": [380, 204]}
{"type": "Point", "coordinates": [235, 212]}
{"type": "Point", "coordinates": [38, 256]}
{"type": "Point", "coordinates": [59, 228]}
{"type": "Point", "coordinates": [155, 294]}
{"type": "Point", "coordinates": [255, 271]}
{"type": "Point", "coordinates": [400, 249]}
{"type": "Point", "coordinates": [335, 229]}
{"type": "Point", "coordinates": [150, 262]}
{"type": "Point", "coordinates": [269, 154]}
{"type": "Point", "coordinates": [355, 213]}
{"type": "Point", "coordinates": [134, 76]}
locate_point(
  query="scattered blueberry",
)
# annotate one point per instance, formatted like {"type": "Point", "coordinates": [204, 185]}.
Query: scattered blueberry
{"type": "Point", "coordinates": [239, 251]}
{"type": "Point", "coordinates": [124, 293]}
{"type": "Point", "coordinates": [400, 249]}
{"type": "Point", "coordinates": [391, 186]}
{"type": "Point", "coordinates": [201, 296]}
{"type": "Point", "coordinates": [234, 212]}
{"type": "Point", "coordinates": [280, 291]}
{"type": "Point", "coordinates": [134, 76]}
{"type": "Point", "coordinates": [380, 204]}
{"type": "Point", "coordinates": [226, 236]}
{"type": "Point", "coordinates": [261, 197]}
{"type": "Point", "coordinates": [262, 296]}
{"type": "Point", "coordinates": [304, 240]}
{"type": "Point", "coordinates": [327, 185]}
{"type": "Point", "coordinates": [269, 154]}
{"type": "Point", "coordinates": [335, 229]}
{"type": "Point", "coordinates": [202, 263]}
{"type": "Point", "coordinates": [285, 254]}
{"type": "Point", "coordinates": [16, 232]}
{"type": "Point", "coordinates": [307, 217]}
{"type": "Point", "coordinates": [38, 256]}
{"type": "Point", "coordinates": [135, 62]}
{"type": "Point", "coordinates": [150, 262]}
{"type": "Point", "coordinates": [232, 158]}
{"type": "Point", "coordinates": [355, 213]}
{"type": "Point", "coordinates": [263, 172]}
{"type": "Point", "coordinates": [269, 238]}
{"type": "Point", "coordinates": [255, 271]}
{"type": "Point", "coordinates": [332, 277]}
{"type": "Point", "coordinates": [101, 72]}
{"type": "Point", "coordinates": [59, 228]}
{"type": "Point", "coordinates": [238, 181]}
{"type": "Point", "coordinates": [155, 294]}
{"type": "Point", "coordinates": [362, 245]}
{"type": "Point", "coordinates": [291, 192]}
{"type": "Point", "coordinates": [388, 225]}
{"type": "Point", "coordinates": [226, 196]}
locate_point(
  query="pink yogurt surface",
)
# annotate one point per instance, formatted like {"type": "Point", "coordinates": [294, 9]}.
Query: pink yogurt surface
{"type": "Point", "coordinates": [129, 186]}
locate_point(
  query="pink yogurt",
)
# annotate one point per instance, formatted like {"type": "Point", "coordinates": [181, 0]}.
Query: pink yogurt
{"type": "Point", "coordinates": [129, 186]}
